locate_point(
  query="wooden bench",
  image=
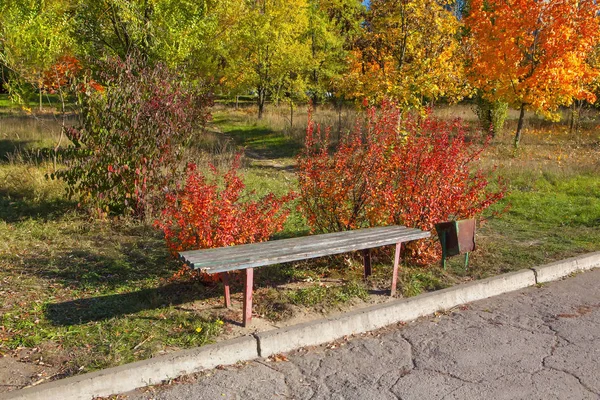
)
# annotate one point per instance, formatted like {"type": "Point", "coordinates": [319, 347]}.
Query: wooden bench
{"type": "Point", "coordinates": [249, 256]}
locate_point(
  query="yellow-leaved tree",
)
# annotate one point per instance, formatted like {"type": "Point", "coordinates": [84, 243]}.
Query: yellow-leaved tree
{"type": "Point", "coordinates": [532, 54]}
{"type": "Point", "coordinates": [409, 51]}
{"type": "Point", "coordinates": [269, 52]}
{"type": "Point", "coordinates": [34, 35]}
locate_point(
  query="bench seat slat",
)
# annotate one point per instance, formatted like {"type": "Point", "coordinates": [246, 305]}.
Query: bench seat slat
{"type": "Point", "coordinates": [258, 262]}
{"type": "Point", "coordinates": [286, 250]}
{"type": "Point", "coordinates": [225, 254]}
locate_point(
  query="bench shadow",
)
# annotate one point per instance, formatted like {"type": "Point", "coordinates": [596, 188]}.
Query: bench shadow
{"type": "Point", "coordinates": [99, 308]}
{"type": "Point", "coordinates": [81, 311]}
{"type": "Point", "coordinates": [103, 265]}
{"type": "Point", "coordinates": [379, 292]}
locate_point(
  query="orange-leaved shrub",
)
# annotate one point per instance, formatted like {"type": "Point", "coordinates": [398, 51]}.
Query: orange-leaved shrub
{"type": "Point", "coordinates": [212, 210]}
{"type": "Point", "coordinates": [395, 168]}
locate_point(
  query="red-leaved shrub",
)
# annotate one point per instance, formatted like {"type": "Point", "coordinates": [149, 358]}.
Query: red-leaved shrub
{"type": "Point", "coordinates": [394, 168]}
{"type": "Point", "coordinates": [212, 211]}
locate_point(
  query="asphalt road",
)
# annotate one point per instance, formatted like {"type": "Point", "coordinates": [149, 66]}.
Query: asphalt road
{"type": "Point", "coordinates": [537, 343]}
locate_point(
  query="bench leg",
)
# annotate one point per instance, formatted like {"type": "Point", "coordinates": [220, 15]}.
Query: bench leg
{"type": "Point", "coordinates": [395, 273]}
{"type": "Point", "coordinates": [367, 262]}
{"type": "Point", "coordinates": [225, 279]}
{"type": "Point", "coordinates": [248, 296]}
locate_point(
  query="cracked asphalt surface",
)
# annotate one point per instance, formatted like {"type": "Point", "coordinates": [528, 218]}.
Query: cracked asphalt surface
{"type": "Point", "coordinates": [536, 343]}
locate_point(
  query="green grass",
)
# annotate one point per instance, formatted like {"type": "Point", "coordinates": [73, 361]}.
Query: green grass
{"type": "Point", "coordinates": [116, 341]}
{"type": "Point", "coordinates": [32, 101]}
{"type": "Point", "coordinates": [93, 287]}
{"type": "Point", "coordinates": [259, 140]}
{"type": "Point", "coordinates": [414, 281]}
{"type": "Point", "coordinates": [551, 218]}
{"type": "Point", "coordinates": [97, 293]}
{"type": "Point", "coordinates": [5, 101]}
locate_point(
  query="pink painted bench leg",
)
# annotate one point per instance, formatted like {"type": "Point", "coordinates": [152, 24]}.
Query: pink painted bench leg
{"type": "Point", "coordinates": [367, 262]}
{"type": "Point", "coordinates": [248, 296]}
{"type": "Point", "coordinates": [225, 279]}
{"type": "Point", "coordinates": [396, 264]}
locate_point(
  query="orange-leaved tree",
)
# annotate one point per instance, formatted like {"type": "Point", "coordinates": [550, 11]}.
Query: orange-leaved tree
{"type": "Point", "coordinates": [532, 54]}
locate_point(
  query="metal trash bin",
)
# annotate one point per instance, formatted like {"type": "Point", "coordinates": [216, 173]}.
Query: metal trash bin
{"type": "Point", "coordinates": [456, 237]}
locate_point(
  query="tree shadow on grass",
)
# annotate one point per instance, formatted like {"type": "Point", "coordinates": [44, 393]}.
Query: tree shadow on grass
{"type": "Point", "coordinates": [276, 168]}
{"type": "Point", "coordinates": [263, 143]}
{"type": "Point", "coordinates": [23, 192]}
{"type": "Point", "coordinates": [14, 208]}
{"type": "Point", "coordinates": [10, 147]}
{"type": "Point", "coordinates": [30, 151]}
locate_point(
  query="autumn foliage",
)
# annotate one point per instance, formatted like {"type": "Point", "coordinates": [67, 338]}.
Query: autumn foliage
{"type": "Point", "coordinates": [212, 210]}
{"type": "Point", "coordinates": [394, 169]}
{"type": "Point", "coordinates": [407, 51]}
{"type": "Point", "coordinates": [130, 143]}
{"type": "Point", "coordinates": [533, 54]}
{"type": "Point", "coordinates": [62, 73]}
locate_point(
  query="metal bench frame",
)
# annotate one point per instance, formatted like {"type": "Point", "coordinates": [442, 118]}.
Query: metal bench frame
{"type": "Point", "coordinates": [249, 256]}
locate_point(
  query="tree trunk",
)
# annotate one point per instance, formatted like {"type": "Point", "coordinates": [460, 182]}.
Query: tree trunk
{"type": "Point", "coordinates": [261, 102]}
{"type": "Point", "coordinates": [63, 127]}
{"type": "Point", "coordinates": [490, 128]}
{"type": "Point", "coordinates": [237, 99]}
{"type": "Point", "coordinates": [291, 116]}
{"type": "Point", "coordinates": [572, 118]}
{"type": "Point", "coordinates": [575, 116]}
{"type": "Point", "coordinates": [520, 125]}
{"type": "Point", "coordinates": [340, 120]}
{"type": "Point", "coordinates": [580, 104]}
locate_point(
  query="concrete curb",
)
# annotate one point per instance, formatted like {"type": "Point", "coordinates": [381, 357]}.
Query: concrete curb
{"type": "Point", "coordinates": [263, 344]}
{"type": "Point", "coordinates": [560, 269]}
{"type": "Point", "coordinates": [142, 373]}
{"type": "Point", "coordinates": [375, 317]}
